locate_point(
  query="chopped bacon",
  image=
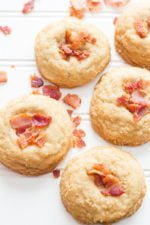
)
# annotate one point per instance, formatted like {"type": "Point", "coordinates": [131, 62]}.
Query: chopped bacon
{"type": "Point", "coordinates": [72, 100]}
{"type": "Point", "coordinates": [116, 3]}
{"type": "Point", "coordinates": [56, 173]}
{"type": "Point", "coordinates": [94, 5]}
{"type": "Point", "coordinates": [5, 30]}
{"type": "Point", "coordinates": [141, 110]}
{"type": "Point", "coordinates": [28, 6]}
{"type": "Point", "coordinates": [21, 121]}
{"type": "Point", "coordinates": [35, 92]}
{"type": "Point", "coordinates": [137, 97]}
{"type": "Point", "coordinates": [3, 77]}
{"type": "Point", "coordinates": [77, 8]}
{"type": "Point", "coordinates": [79, 133]}
{"type": "Point", "coordinates": [115, 20]}
{"type": "Point", "coordinates": [141, 28]}
{"type": "Point", "coordinates": [114, 191]}
{"type": "Point", "coordinates": [52, 91]}
{"type": "Point", "coordinates": [103, 178]}
{"type": "Point", "coordinates": [70, 112]}
{"type": "Point", "coordinates": [36, 81]}
{"type": "Point", "coordinates": [22, 141]}
{"type": "Point", "coordinates": [80, 55]}
{"type": "Point", "coordinates": [39, 120]}
{"type": "Point", "coordinates": [40, 141]}
{"type": "Point", "coordinates": [135, 85]}
{"type": "Point", "coordinates": [76, 121]}
{"type": "Point", "coordinates": [80, 143]}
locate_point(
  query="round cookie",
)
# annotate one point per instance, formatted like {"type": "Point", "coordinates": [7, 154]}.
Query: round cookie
{"type": "Point", "coordinates": [132, 36]}
{"type": "Point", "coordinates": [84, 197]}
{"type": "Point", "coordinates": [71, 53]}
{"type": "Point", "coordinates": [35, 134]}
{"type": "Point", "coordinates": [119, 108]}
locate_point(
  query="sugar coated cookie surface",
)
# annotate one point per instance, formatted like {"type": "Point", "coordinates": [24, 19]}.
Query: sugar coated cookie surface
{"type": "Point", "coordinates": [132, 36]}
{"type": "Point", "coordinates": [102, 185]}
{"type": "Point", "coordinates": [120, 106]}
{"type": "Point", "coordinates": [35, 134]}
{"type": "Point", "coordinates": [71, 53]}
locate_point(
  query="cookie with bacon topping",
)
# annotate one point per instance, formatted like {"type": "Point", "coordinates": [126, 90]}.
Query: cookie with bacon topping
{"type": "Point", "coordinates": [102, 185]}
{"type": "Point", "coordinates": [71, 53]}
{"type": "Point", "coordinates": [132, 36]}
{"type": "Point", "coordinates": [35, 134]}
{"type": "Point", "coordinates": [120, 107]}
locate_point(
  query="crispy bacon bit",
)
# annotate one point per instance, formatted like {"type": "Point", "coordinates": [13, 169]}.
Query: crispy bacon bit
{"type": "Point", "coordinates": [135, 100]}
{"type": "Point", "coordinates": [80, 143]}
{"type": "Point", "coordinates": [76, 121]}
{"type": "Point", "coordinates": [115, 20]}
{"type": "Point", "coordinates": [141, 28]}
{"type": "Point", "coordinates": [114, 191]}
{"type": "Point", "coordinates": [35, 92]}
{"type": "Point", "coordinates": [21, 121]}
{"type": "Point", "coordinates": [116, 3]}
{"type": "Point", "coordinates": [70, 112]}
{"type": "Point", "coordinates": [28, 6]}
{"type": "Point", "coordinates": [5, 30]}
{"type": "Point", "coordinates": [94, 5]}
{"type": "Point", "coordinates": [77, 8]}
{"type": "Point", "coordinates": [72, 100]}
{"type": "Point", "coordinates": [79, 133]}
{"type": "Point", "coordinates": [74, 44]}
{"type": "Point", "coordinates": [56, 173]}
{"type": "Point", "coordinates": [3, 77]}
{"type": "Point", "coordinates": [28, 128]}
{"type": "Point", "coordinates": [36, 81]}
{"type": "Point", "coordinates": [39, 120]}
{"type": "Point", "coordinates": [105, 179]}
{"type": "Point", "coordinates": [52, 91]}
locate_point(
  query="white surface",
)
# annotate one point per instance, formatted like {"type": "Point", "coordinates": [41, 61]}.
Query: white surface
{"type": "Point", "coordinates": [36, 200]}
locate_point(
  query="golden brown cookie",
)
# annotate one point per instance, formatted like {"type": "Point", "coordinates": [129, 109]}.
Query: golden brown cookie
{"type": "Point", "coordinates": [132, 36]}
{"type": "Point", "coordinates": [102, 185]}
{"type": "Point", "coordinates": [35, 134]}
{"type": "Point", "coordinates": [120, 106]}
{"type": "Point", "coordinates": [71, 53]}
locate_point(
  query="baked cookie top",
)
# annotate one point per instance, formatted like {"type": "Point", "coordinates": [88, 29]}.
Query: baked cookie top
{"type": "Point", "coordinates": [132, 36]}
{"type": "Point", "coordinates": [84, 186]}
{"type": "Point", "coordinates": [120, 106]}
{"type": "Point", "coordinates": [71, 52]}
{"type": "Point", "coordinates": [36, 132]}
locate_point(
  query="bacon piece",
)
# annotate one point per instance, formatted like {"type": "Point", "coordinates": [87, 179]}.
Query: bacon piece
{"type": "Point", "coordinates": [98, 180]}
{"type": "Point", "coordinates": [77, 8]}
{"type": "Point", "coordinates": [40, 140]}
{"type": "Point", "coordinates": [79, 142]}
{"type": "Point", "coordinates": [80, 55]}
{"type": "Point", "coordinates": [114, 191]}
{"type": "Point", "coordinates": [5, 30]}
{"type": "Point", "coordinates": [76, 121]}
{"type": "Point", "coordinates": [35, 92]}
{"type": "Point", "coordinates": [21, 122]}
{"type": "Point", "coordinates": [135, 85]}
{"type": "Point", "coordinates": [94, 5]}
{"type": "Point", "coordinates": [116, 3]}
{"type": "Point", "coordinates": [36, 81]}
{"type": "Point", "coordinates": [102, 168]}
{"type": "Point", "coordinates": [72, 100]}
{"type": "Point", "coordinates": [79, 133]}
{"type": "Point", "coordinates": [22, 141]}
{"type": "Point", "coordinates": [3, 77]}
{"type": "Point", "coordinates": [137, 97]}
{"type": "Point", "coordinates": [115, 20]}
{"type": "Point", "coordinates": [56, 173]}
{"type": "Point", "coordinates": [69, 111]}
{"type": "Point", "coordinates": [141, 110]}
{"type": "Point", "coordinates": [141, 28]}
{"type": "Point", "coordinates": [110, 180]}
{"type": "Point", "coordinates": [52, 91]}
{"type": "Point", "coordinates": [28, 6]}
{"type": "Point", "coordinates": [40, 121]}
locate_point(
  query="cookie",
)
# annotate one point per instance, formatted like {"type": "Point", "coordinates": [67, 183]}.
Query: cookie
{"type": "Point", "coordinates": [132, 35]}
{"type": "Point", "coordinates": [35, 134]}
{"type": "Point", "coordinates": [119, 108]}
{"type": "Point", "coordinates": [71, 53]}
{"type": "Point", "coordinates": [102, 185]}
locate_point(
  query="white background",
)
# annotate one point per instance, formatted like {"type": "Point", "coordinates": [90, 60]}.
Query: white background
{"type": "Point", "coordinates": [36, 200]}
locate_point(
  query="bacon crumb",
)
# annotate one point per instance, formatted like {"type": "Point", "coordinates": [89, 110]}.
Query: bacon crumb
{"type": "Point", "coordinates": [77, 8]}
{"type": "Point", "coordinates": [94, 5]}
{"type": "Point", "coordinates": [70, 112]}
{"type": "Point", "coordinates": [76, 121]}
{"type": "Point", "coordinates": [3, 77]}
{"type": "Point", "coordinates": [141, 28]}
{"type": "Point", "coordinates": [28, 7]}
{"type": "Point", "coordinates": [79, 133]}
{"type": "Point", "coordinates": [52, 91]}
{"type": "Point", "coordinates": [5, 30]}
{"type": "Point", "coordinates": [72, 100]}
{"type": "Point", "coordinates": [36, 81]}
{"type": "Point", "coordinates": [115, 20]}
{"type": "Point", "coordinates": [80, 143]}
{"type": "Point", "coordinates": [56, 173]}
{"type": "Point", "coordinates": [116, 3]}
